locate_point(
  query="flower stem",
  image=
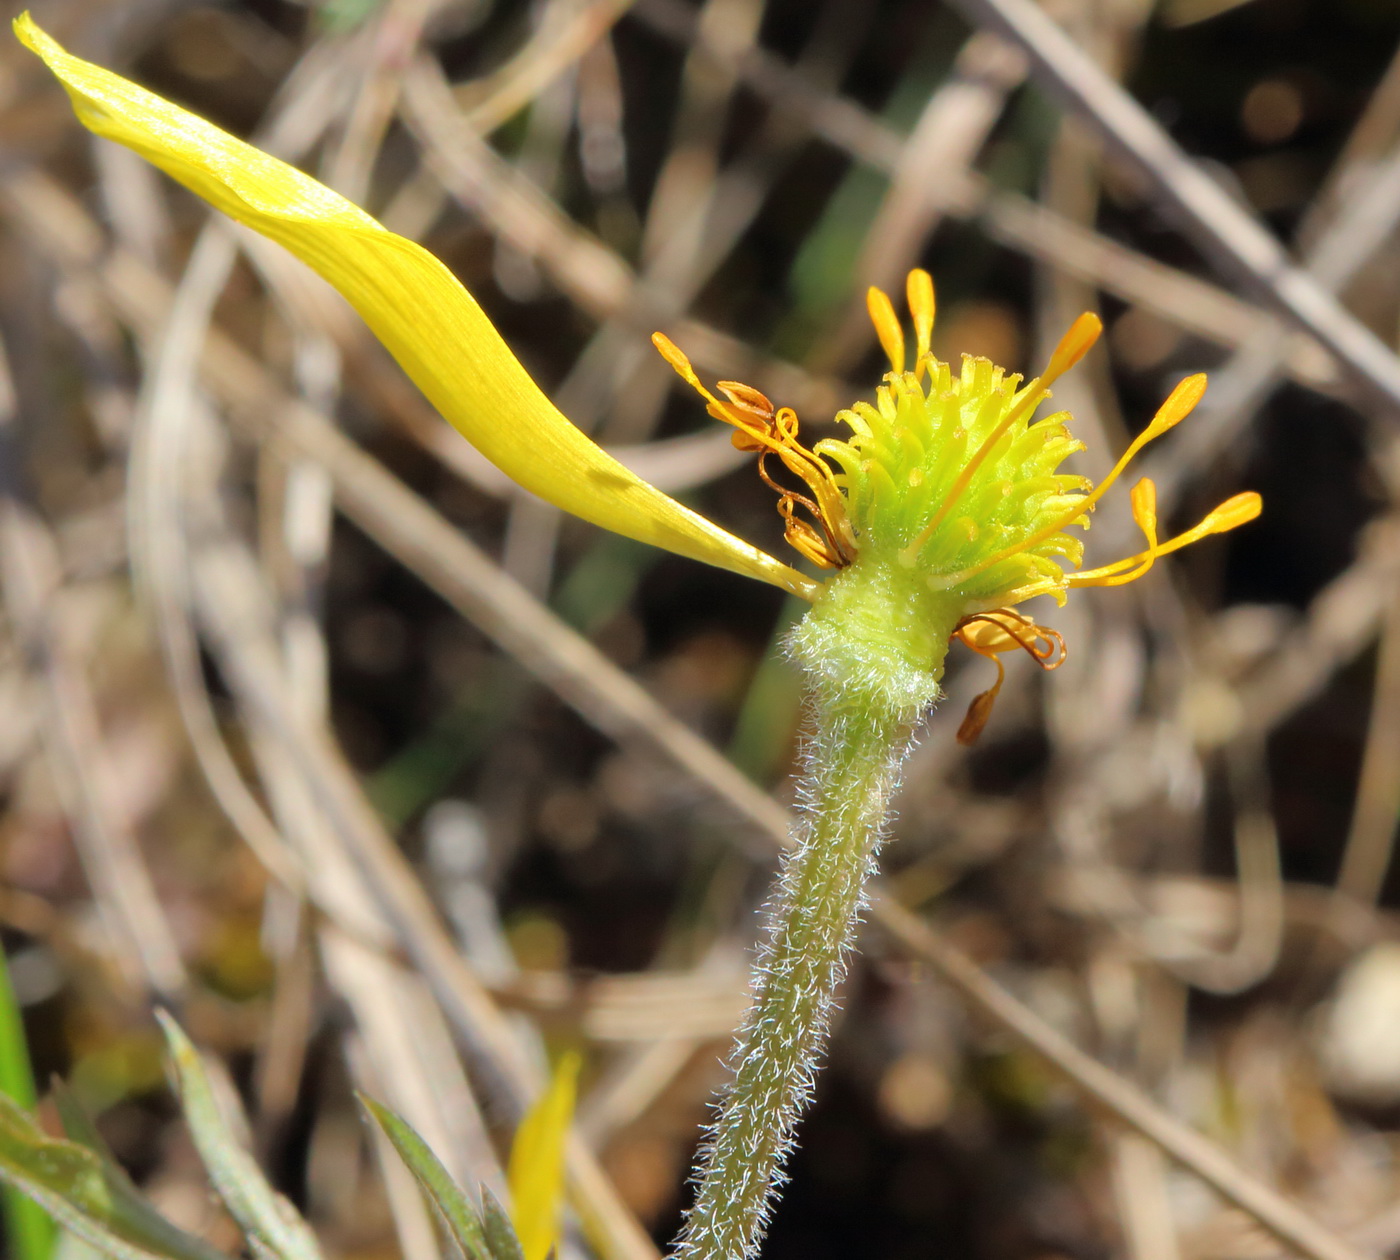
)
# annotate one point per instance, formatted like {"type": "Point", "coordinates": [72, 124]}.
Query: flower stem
{"type": "Point", "coordinates": [865, 708]}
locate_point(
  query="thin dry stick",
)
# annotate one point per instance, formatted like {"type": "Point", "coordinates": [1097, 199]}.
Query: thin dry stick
{"type": "Point", "coordinates": [1210, 213]}
{"type": "Point", "coordinates": [634, 1081]}
{"type": "Point", "coordinates": [1140, 1192]}
{"type": "Point", "coordinates": [1259, 932]}
{"type": "Point", "coordinates": [285, 1042]}
{"type": "Point", "coordinates": [1288, 1223]}
{"type": "Point", "coordinates": [1375, 132]}
{"type": "Point", "coordinates": [140, 936]}
{"type": "Point", "coordinates": [1187, 302]}
{"type": "Point", "coordinates": [1337, 253]}
{"type": "Point", "coordinates": [1371, 840]}
{"type": "Point", "coordinates": [157, 545]}
{"type": "Point", "coordinates": [393, 40]}
{"type": "Point", "coordinates": [488, 102]}
{"type": "Point", "coordinates": [1149, 1030]}
{"type": "Point", "coordinates": [686, 187]}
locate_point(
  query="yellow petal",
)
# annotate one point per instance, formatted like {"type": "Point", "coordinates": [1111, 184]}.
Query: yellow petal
{"type": "Point", "coordinates": [536, 1172]}
{"type": "Point", "coordinates": [414, 305]}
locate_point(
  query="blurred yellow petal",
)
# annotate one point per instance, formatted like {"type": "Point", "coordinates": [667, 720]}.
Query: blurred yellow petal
{"type": "Point", "coordinates": [414, 305]}
{"type": "Point", "coordinates": [536, 1173]}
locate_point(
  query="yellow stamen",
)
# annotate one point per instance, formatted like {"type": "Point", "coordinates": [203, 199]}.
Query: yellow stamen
{"type": "Point", "coordinates": [747, 410]}
{"type": "Point", "coordinates": [991, 633]}
{"type": "Point", "coordinates": [1237, 510]}
{"type": "Point", "coordinates": [677, 358]}
{"type": "Point", "coordinates": [918, 289]}
{"type": "Point", "coordinates": [761, 429]}
{"type": "Point", "coordinates": [1234, 512]}
{"type": "Point", "coordinates": [1074, 345]}
{"type": "Point", "coordinates": [887, 327]}
{"type": "Point", "coordinates": [1144, 500]}
{"type": "Point", "coordinates": [1177, 407]}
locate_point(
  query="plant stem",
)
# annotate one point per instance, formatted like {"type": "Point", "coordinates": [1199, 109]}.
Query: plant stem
{"type": "Point", "coordinates": [866, 705]}
{"type": "Point", "coordinates": [29, 1233]}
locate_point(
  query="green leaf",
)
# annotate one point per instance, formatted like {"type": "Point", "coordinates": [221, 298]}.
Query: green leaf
{"type": "Point", "coordinates": [88, 1194]}
{"type": "Point", "coordinates": [462, 1220]}
{"type": "Point", "coordinates": [271, 1223]}
{"type": "Point", "coordinates": [500, 1233]}
{"type": "Point", "coordinates": [162, 1235]}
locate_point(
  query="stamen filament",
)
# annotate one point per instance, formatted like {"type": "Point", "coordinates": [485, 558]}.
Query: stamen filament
{"type": "Point", "coordinates": [1234, 512]}
{"type": "Point", "coordinates": [1043, 645]}
{"type": "Point", "coordinates": [1144, 500]}
{"type": "Point", "coordinates": [1176, 408]}
{"type": "Point", "coordinates": [1074, 345]}
{"type": "Point", "coordinates": [764, 431]}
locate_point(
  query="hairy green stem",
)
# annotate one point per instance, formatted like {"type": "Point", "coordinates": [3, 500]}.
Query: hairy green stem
{"type": "Point", "coordinates": [869, 694]}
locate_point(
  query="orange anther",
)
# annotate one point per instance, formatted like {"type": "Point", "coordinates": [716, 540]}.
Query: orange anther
{"type": "Point", "coordinates": [1074, 345]}
{"type": "Point", "coordinates": [918, 289]}
{"type": "Point", "coordinates": [1179, 404]}
{"type": "Point", "coordinates": [887, 328]}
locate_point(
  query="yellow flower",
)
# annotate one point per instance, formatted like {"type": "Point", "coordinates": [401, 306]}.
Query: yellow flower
{"type": "Point", "coordinates": [948, 488]}
{"type": "Point", "coordinates": [945, 501]}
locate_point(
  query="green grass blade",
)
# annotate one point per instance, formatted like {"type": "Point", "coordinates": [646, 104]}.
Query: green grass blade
{"type": "Point", "coordinates": [271, 1223]}
{"type": "Point", "coordinates": [462, 1220]}
{"type": "Point", "coordinates": [87, 1194]}
{"type": "Point", "coordinates": [500, 1233]}
{"type": "Point", "coordinates": [29, 1231]}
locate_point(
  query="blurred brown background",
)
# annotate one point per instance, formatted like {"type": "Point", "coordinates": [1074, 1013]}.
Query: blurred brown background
{"type": "Point", "coordinates": [1175, 850]}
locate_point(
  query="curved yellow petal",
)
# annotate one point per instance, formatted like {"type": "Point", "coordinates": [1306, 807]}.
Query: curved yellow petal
{"type": "Point", "coordinates": [414, 305]}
